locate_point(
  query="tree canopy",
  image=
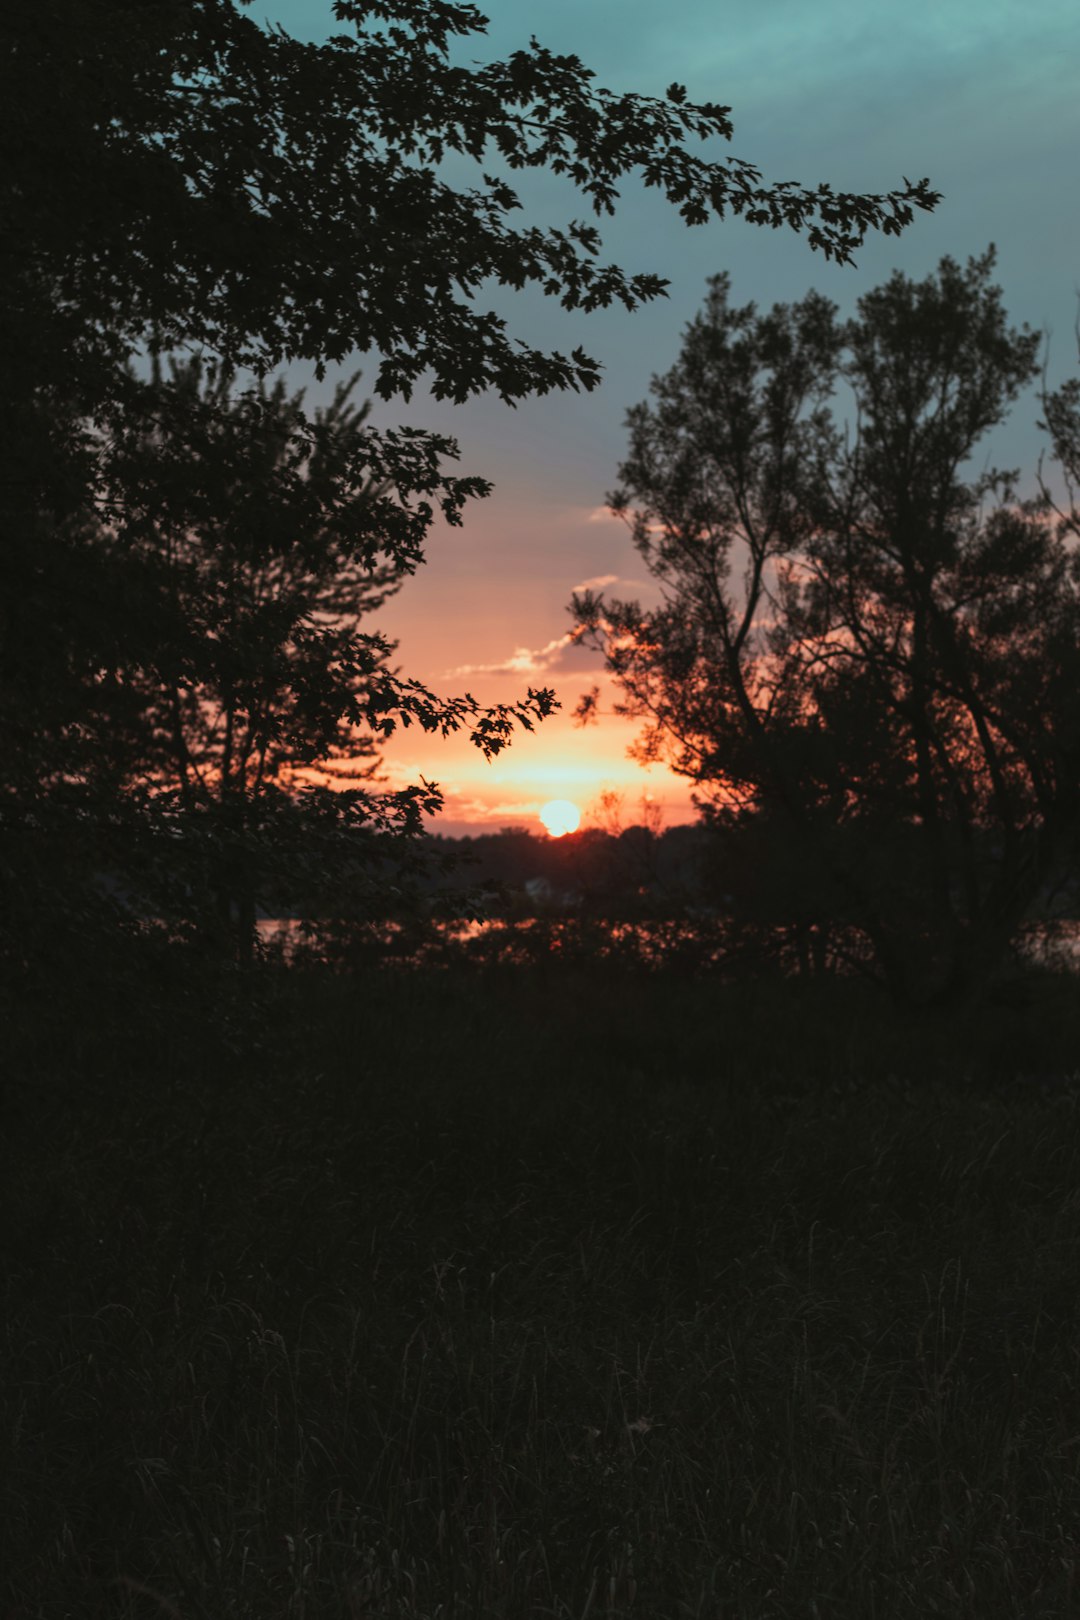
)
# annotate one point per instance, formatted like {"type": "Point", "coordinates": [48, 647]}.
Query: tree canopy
{"type": "Point", "coordinates": [180, 180]}
{"type": "Point", "coordinates": [861, 647]}
{"type": "Point", "coordinates": [217, 183]}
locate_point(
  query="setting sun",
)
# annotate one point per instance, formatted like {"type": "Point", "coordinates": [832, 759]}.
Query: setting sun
{"type": "Point", "coordinates": [560, 816]}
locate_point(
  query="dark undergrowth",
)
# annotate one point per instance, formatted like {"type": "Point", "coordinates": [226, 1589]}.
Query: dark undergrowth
{"type": "Point", "coordinates": [533, 1294]}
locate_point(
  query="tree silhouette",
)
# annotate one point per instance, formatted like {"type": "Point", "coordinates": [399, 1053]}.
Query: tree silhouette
{"type": "Point", "coordinates": [220, 187]}
{"type": "Point", "coordinates": [852, 644]}
{"type": "Point", "coordinates": [262, 543]}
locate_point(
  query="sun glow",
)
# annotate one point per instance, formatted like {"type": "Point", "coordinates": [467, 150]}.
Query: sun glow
{"type": "Point", "coordinates": [560, 816]}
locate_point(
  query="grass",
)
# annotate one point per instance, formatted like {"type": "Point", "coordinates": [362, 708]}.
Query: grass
{"type": "Point", "coordinates": [523, 1295]}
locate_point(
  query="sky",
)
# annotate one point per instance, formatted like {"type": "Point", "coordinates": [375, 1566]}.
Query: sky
{"type": "Point", "coordinates": [979, 97]}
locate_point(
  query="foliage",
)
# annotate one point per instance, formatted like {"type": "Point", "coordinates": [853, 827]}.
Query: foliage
{"type": "Point", "coordinates": [261, 538]}
{"type": "Point", "coordinates": [228, 186]}
{"type": "Point", "coordinates": [1061, 409]}
{"type": "Point", "coordinates": [217, 187]}
{"type": "Point", "coordinates": [850, 643]}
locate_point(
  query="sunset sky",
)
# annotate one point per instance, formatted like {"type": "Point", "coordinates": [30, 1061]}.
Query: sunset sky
{"type": "Point", "coordinates": [979, 97]}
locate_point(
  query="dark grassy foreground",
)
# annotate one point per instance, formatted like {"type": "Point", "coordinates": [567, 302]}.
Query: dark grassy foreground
{"type": "Point", "coordinates": [514, 1297]}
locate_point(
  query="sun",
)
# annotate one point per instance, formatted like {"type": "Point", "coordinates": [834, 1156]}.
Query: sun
{"type": "Point", "coordinates": [560, 816]}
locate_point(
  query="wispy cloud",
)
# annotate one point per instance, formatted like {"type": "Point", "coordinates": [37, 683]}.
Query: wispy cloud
{"type": "Point", "coordinates": [548, 658]}
{"type": "Point", "coordinates": [600, 582]}
{"type": "Point", "coordinates": [523, 660]}
{"type": "Point", "coordinates": [512, 810]}
{"type": "Point", "coordinates": [597, 583]}
{"type": "Point", "coordinates": [396, 774]}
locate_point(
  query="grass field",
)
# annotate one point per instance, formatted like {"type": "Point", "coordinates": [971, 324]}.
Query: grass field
{"type": "Point", "coordinates": [520, 1295]}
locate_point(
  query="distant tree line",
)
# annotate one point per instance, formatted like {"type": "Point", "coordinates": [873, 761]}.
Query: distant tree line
{"type": "Point", "coordinates": [636, 871]}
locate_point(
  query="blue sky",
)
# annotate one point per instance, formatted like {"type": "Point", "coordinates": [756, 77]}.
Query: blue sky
{"type": "Point", "coordinates": [979, 97]}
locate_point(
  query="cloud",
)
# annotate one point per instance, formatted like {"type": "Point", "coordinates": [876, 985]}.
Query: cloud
{"type": "Point", "coordinates": [523, 660]}
{"type": "Point", "coordinates": [597, 583]}
{"type": "Point", "coordinates": [514, 809]}
{"type": "Point", "coordinates": [550, 657]}
{"type": "Point", "coordinates": [394, 775]}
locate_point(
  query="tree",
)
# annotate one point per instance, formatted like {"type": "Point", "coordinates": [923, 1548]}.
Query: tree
{"type": "Point", "coordinates": [853, 651]}
{"type": "Point", "coordinates": [262, 543]}
{"type": "Point", "coordinates": [220, 184]}
{"type": "Point", "coordinates": [1061, 412]}
{"type": "Point", "coordinates": [216, 186]}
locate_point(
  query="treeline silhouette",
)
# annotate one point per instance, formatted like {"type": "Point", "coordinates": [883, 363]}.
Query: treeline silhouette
{"type": "Point", "coordinates": [638, 868]}
{"type": "Point", "coordinates": [866, 660]}
{"type": "Point", "coordinates": [865, 663]}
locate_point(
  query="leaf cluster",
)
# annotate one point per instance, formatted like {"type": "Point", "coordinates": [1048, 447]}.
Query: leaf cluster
{"type": "Point", "coordinates": [228, 186]}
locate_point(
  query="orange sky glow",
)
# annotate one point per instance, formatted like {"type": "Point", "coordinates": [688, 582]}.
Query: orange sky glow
{"type": "Point", "coordinates": [558, 761]}
{"type": "Point", "coordinates": [487, 614]}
